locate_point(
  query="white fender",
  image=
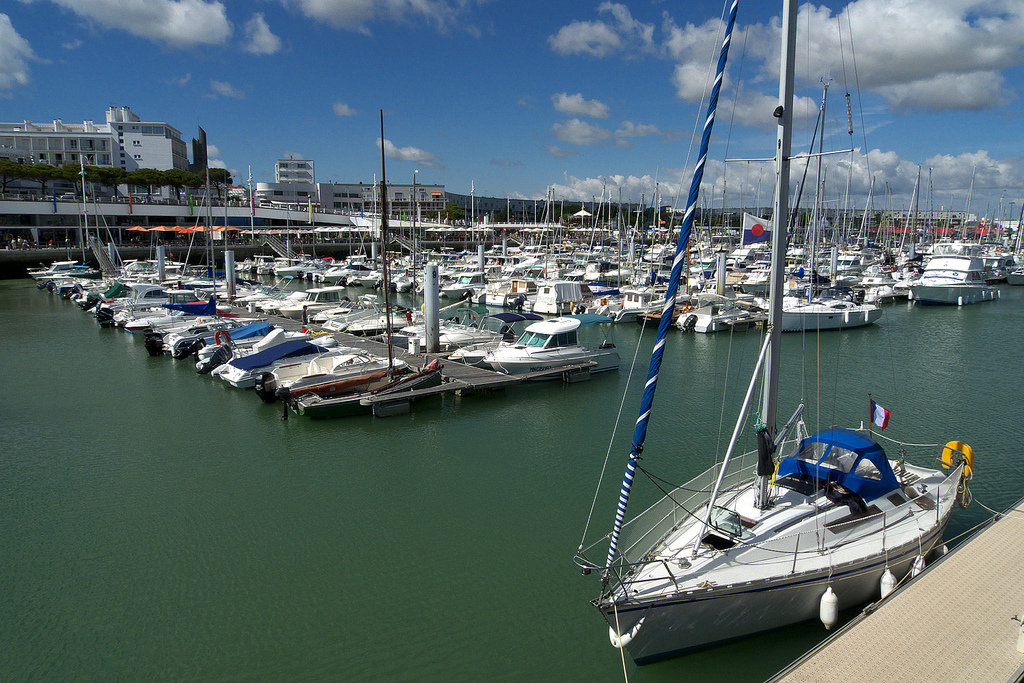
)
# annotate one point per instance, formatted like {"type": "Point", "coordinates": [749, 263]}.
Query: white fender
{"type": "Point", "coordinates": [622, 641]}
{"type": "Point", "coordinates": [888, 583]}
{"type": "Point", "coordinates": [829, 608]}
{"type": "Point", "coordinates": [918, 566]}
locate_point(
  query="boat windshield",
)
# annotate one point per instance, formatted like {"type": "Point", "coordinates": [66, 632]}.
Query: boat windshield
{"type": "Point", "coordinates": [534, 339]}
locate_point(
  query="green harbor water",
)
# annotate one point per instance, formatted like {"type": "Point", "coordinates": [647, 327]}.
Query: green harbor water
{"type": "Point", "coordinates": [160, 525]}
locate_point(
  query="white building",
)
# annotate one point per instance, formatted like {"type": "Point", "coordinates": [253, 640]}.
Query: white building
{"type": "Point", "coordinates": [294, 171]}
{"type": "Point", "coordinates": [123, 141]}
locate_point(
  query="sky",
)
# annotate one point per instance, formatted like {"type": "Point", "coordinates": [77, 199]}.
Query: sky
{"type": "Point", "coordinates": [578, 101]}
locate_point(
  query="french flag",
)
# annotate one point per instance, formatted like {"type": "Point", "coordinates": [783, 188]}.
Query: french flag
{"type": "Point", "coordinates": [879, 415]}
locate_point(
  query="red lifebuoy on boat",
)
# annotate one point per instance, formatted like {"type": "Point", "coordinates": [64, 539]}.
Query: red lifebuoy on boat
{"type": "Point", "coordinates": [221, 336]}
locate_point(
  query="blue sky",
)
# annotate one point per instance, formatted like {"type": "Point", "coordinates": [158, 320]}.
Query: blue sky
{"type": "Point", "coordinates": [514, 98]}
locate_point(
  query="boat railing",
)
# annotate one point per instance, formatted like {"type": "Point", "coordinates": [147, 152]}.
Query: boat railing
{"type": "Point", "coordinates": [798, 551]}
{"type": "Point", "coordinates": [655, 523]}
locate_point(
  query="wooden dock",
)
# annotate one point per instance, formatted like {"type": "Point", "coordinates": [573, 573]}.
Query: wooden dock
{"type": "Point", "coordinates": [960, 620]}
{"type": "Point", "coordinates": [458, 378]}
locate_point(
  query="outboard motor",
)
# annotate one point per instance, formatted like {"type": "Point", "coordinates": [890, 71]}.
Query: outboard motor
{"type": "Point", "coordinates": [689, 323]}
{"type": "Point", "coordinates": [105, 316]}
{"type": "Point", "coordinates": [221, 354]}
{"type": "Point", "coordinates": [154, 342]}
{"type": "Point", "coordinates": [187, 348]}
{"type": "Point", "coordinates": [266, 387]}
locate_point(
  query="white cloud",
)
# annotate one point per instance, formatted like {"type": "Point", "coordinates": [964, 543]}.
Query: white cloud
{"type": "Point", "coordinates": [409, 154]}
{"type": "Point", "coordinates": [182, 80]}
{"type": "Point", "coordinates": [259, 39]}
{"type": "Point", "coordinates": [577, 132]}
{"type": "Point", "coordinates": [225, 89]}
{"type": "Point", "coordinates": [559, 152]}
{"type": "Point", "coordinates": [601, 38]}
{"type": "Point", "coordinates": [575, 104]}
{"type": "Point", "coordinates": [72, 44]}
{"type": "Point", "coordinates": [505, 163]}
{"type": "Point", "coordinates": [342, 109]}
{"type": "Point", "coordinates": [181, 23]}
{"type": "Point", "coordinates": [355, 15]}
{"type": "Point", "coordinates": [14, 56]}
{"type": "Point", "coordinates": [941, 56]}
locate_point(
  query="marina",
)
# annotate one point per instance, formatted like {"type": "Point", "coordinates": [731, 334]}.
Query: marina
{"type": "Point", "coordinates": [193, 557]}
{"type": "Point", "coordinates": [538, 383]}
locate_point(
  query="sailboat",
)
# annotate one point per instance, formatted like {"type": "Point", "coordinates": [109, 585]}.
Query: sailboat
{"type": "Point", "coordinates": [760, 542]}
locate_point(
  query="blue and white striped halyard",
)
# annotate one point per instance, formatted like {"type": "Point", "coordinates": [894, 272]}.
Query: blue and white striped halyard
{"type": "Point", "coordinates": [647, 401]}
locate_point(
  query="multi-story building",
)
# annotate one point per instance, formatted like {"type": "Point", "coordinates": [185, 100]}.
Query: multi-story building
{"type": "Point", "coordinates": [123, 141]}
{"type": "Point", "coordinates": [294, 171]}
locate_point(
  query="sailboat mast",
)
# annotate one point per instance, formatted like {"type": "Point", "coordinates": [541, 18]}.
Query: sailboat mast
{"type": "Point", "coordinates": [784, 143]}
{"type": "Point", "coordinates": [384, 246]}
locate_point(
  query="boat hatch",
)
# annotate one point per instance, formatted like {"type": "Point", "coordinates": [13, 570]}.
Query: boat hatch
{"type": "Point", "coordinates": [727, 528]}
{"type": "Point", "coordinates": [843, 456]}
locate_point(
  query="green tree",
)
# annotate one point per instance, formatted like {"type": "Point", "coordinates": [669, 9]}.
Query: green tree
{"type": "Point", "coordinates": [220, 178]}
{"type": "Point", "coordinates": [454, 212]}
{"type": "Point", "coordinates": [11, 170]}
{"type": "Point", "coordinates": [43, 174]}
{"type": "Point", "coordinates": [178, 179]}
{"type": "Point", "coordinates": [146, 177]}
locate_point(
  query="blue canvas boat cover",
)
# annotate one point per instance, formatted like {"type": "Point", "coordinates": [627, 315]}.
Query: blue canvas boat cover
{"type": "Point", "coordinates": [245, 332]}
{"type": "Point", "coordinates": [288, 349]}
{"type": "Point", "coordinates": [197, 308]}
{"type": "Point", "coordinates": [843, 456]}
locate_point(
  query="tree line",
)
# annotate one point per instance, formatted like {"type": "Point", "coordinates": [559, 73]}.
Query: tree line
{"type": "Point", "coordinates": [109, 177]}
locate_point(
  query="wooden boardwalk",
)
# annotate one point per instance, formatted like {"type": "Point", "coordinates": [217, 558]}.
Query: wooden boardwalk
{"type": "Point", "coordinates": [958, 621]}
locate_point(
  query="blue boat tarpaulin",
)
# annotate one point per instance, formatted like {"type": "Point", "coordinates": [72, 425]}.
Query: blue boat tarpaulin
{"type": "Point", "coordinates": [197, 308]}
{"type": "Point", "coordinates": [288, 349]}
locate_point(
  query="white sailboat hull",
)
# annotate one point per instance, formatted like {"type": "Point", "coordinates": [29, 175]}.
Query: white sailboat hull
{"type": "Point", "coordinates": [716, 615]}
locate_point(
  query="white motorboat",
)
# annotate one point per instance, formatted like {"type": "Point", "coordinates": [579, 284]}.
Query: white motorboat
{"type": "Point", "coordinates": [553, 343]}
{"type": "Point", "coordinates": [832, 309]}
{"type": "Point", "coordinates": [715, 313]}
{"type": "Point", "coordinates": [953, 279]}
{"type": "Point", "coordinates": [759, 542]}
{"type": "Point", "coordinates": [467, 282]}
{"type": "Point", "coordinates": [558, 297]}
{"type": "Point", "coordinates": [317, 299]}
{"type": "Point", "coordinates": [504, 325]}
{"type": "Point", "coordinates": [242, 372]}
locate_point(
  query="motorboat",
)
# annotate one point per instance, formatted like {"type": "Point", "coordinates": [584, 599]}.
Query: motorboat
{"type": "Point", "coordinates": [554, 343]}
{"type": "Point", "coordinates": [466, 282]}
{"type": "Point", "coordinates": [338, 371]}
{"type": "Point", "coordinates": [953, 279]}
{"type": "Point", "coordinates": [832, 309]}
{"type": "Point", "coordinates": [242, 372]}
{"type": "Point", "coordinates": [504, 326]}
{"type": "Point", "coordinates": [185, 342]}
{"type": "Point", "coordinates": [317, 299]}
{"type": "Point", "coordinates": [558, 297]}
{"type": "Point", "coordinates": [245, 342]}
{"type": "Point", "coordinates": [398, 385]}
{"type": "Point", "coordinates": [715, 313]}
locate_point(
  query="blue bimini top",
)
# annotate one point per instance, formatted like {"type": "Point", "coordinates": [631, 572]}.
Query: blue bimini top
{"type": "Point", "coordinates": [843, 456]}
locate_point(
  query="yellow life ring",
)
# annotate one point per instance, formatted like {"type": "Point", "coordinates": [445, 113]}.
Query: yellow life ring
{"type": "Point", "coordinates": [955, 452]}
